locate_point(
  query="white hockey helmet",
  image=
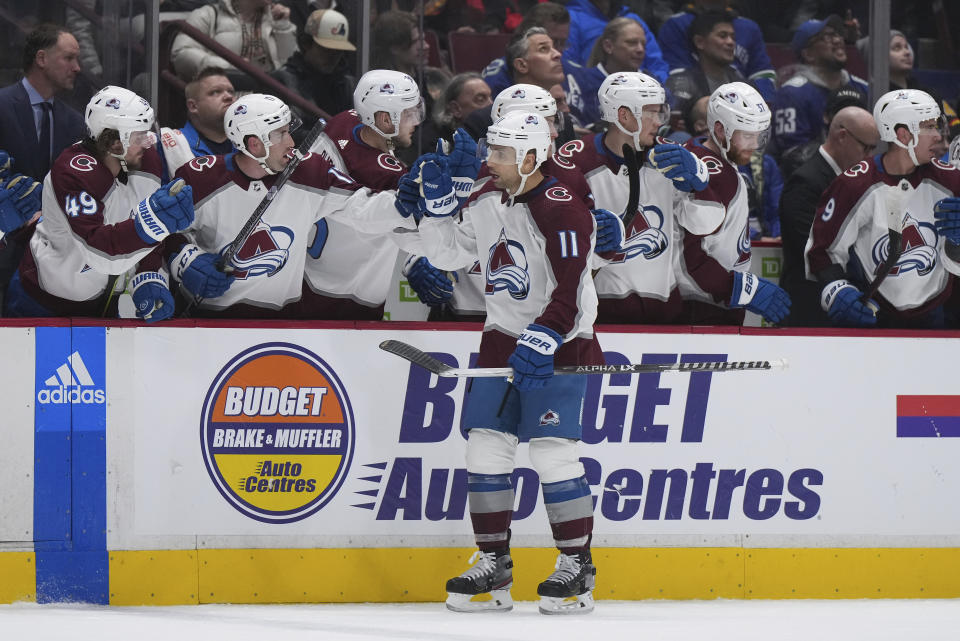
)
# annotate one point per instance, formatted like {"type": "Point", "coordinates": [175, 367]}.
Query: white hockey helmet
{"type": "Point", "coordinates": [955, 152]}
{"type": "Point", "coordinates": [907, 108]}
{"type": "Point", "coordinates": [391, 91]}
{"type": "Point", "coordinates": [259, 115]}
{"type": "Point", "coordinates": [126, 112]}
{"type": "Point", "coordinates": [633, 90]}
{"type": "Point", "coordinates": [738, 107]}
{"type": "Point", "coordinates": [523, 97]}
{"type": "Point", "coordinates": [522, 131]}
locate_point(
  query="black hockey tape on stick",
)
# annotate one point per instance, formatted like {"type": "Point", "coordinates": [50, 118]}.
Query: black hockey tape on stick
{"type": "Point", "coordinates": [894, 246]}
{"type": "Point", "coordinates": [633, 175]}
{"type": "Point", "coordinates": [434, 366]}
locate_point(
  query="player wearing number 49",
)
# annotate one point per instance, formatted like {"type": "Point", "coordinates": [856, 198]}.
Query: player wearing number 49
{"type": "Point", "coordinates": [715, 280]}
{"type": "Point", "coordinates": [104, 211]}
{"type": "Point", "coordinates": [855, 214]}
{"type": "Point", "coordinates": [534, 240]}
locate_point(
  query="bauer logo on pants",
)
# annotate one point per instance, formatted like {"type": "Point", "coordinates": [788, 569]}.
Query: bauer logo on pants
{"type": "Point", "coordinates": [277, 433]}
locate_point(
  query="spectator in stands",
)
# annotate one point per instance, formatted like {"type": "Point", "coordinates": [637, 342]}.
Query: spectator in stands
{"type": "Point", "coordinates": [799, 105]}
{"type": "Point", "coordinates": [588, 18]}
{"type": "Point", "coordinates": [396, 43]}
{"type": "Point", "coordinates": [694, 120]}
{"type": "Point", "coordinates": [466, 93]}
{"type": "Point", "coordinates": [750, 55]}
{"type": "Point", "coordinates": [852, 137]}
{"type": "Point", "coordinates": [257, 30]}
{"type": "Point", "coordinates": [208, 97]}
{"type": "Point", "coordinates": [300, 10]}
{"type": "Point", "coordinates": [318, 71]}
{"type": "Point", "coordinates": [712, 37]}
{"type": "Point", "coordinates": [621, 47]}
{"type": "Point", "coordinates": [34, 126]}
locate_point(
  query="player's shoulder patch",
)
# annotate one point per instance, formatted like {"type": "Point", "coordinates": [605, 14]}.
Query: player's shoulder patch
{"type": "Point", "coordinates": [202, 163]}
{"type": "Point", "coordinates": [660, 140]}
{"type": "Point", "coordinates": [714, 164]}
{"type": "Point", "coordinates": [945, 166]}
{"type": "Point", "coordinates": [566, 154]}
{"type": "Point", "coordinates": [390, 163]}
{"type": "Point", "coordinates": [862, 168]}
{"type": "Point", "coordinates": [78, 170]}
{"type": "Point", "coordinates": [558, 193]}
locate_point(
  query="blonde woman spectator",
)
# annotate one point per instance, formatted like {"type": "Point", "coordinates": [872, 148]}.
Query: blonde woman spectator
{"type": "Point", "coordinates": [257, 30]}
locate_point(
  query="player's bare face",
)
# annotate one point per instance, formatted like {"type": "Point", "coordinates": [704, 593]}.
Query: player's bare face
{"type": "Point", "coordinates": [281, 146]}
{"type": "Point", "coordinates": [502, 164]}
{"type": "Point", "coordinates": [653, 117]}
{"type": "Point", "coordinates": [930, 141]}
{"type": "Point", "coordinates": [140, 142]}
{"type": "Point", "coordinates": [743, 144]}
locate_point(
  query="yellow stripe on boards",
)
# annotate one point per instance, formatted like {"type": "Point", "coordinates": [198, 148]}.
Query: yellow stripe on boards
{"type": "Point", "coordinates": [18, 577]}
{"type": "Point", "coordinates": [387, 575]}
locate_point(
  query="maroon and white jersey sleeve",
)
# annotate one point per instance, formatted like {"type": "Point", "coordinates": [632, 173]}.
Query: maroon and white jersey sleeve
{"type": "Point", "coordinates": [87, 233]}
{"type": "Point", "coordinates": [852, 215]}
{"type": "Point", "coordinates": [714, 226]}
{"type": "Point", "coordinates": [340, 143]}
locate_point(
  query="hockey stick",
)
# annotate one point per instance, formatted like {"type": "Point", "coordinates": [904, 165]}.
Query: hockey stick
{"type": "Point", "coordinates": [434, 366]}
{"type": "Point", "coordinates": [894, 239]}
{"type": "Point", "coordinates": [633, 175]}
{"type": "Point", "coordinates": [225, 262]}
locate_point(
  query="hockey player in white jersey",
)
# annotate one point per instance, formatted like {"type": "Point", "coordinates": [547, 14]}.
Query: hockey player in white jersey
{"type": "Point", "coordinates": [849, 238]}
{"type": "Point", "coordinates": [715, 278]}
{"type": "Point", "coordinates": [104, 211]}
{"type": "Point", "coordinates": [534, 240]}
{"type": "Point", "coordinates": [268, 267]}
{"type": "Point", "coordinates": [349, 272]}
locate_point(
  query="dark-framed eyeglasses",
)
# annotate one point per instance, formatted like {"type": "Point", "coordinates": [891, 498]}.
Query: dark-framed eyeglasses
{"type": "Point", "coordinates": [867, 148]}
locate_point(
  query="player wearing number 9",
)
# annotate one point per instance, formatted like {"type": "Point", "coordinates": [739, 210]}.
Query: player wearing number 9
{"type": "Point", "coordinates": [104, 212]}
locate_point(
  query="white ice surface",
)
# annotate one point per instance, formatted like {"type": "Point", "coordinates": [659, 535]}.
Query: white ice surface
{"type": "Point", "coordinates": [841, 620]}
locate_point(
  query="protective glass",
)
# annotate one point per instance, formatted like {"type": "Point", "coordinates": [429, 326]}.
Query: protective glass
{"type": "Point", "coordinates": [276, 135]}
{"type": "Point", "coordinates": [142, 139]}
{"type": "Point", "coordinates": [934, 126]}
{"type": "Point", "coordinates": [412, 115]}
{"type": "Point", "coordinates": [660, 114]}
{"type": "Point", "coordinates": [752, 140]}
{"type": "Point", "coordinates": [496, 154]}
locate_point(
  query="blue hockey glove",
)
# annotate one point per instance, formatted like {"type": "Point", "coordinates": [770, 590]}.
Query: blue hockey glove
{"type": "Point", "coordinates": [841, 301]}
{"type": "Point", "coordinates": [167, 210]}
{"type": "Point", "coordinates": [408, 197]}
{"type": "Point", "coordinates": [19, 201]}
{"type": "Point", "coordinates": [197, 271]}
{"type": "Point", "coordinates": [946, 215]}
{"type": "Point", "coordinates": [610, 231]}
{"type": "Point", "coordinates": [532, 360]}
{"type": "Point", "coordinates": [6, 164]}
{"type": "Point", "coordinates": [320, 240]}
{"type": "Point", "coordinates": [436, 188]}
{"type": "Point", "coordinates": [152, 297]}
{"type": "Point", "coordinates": [463, 162]}
{"type": "Point", "coordinates": [687, 172]}
{"type": "Point", "coordinates": [432, 285]}
{"type": "Point", "coordinates": [760, 296]}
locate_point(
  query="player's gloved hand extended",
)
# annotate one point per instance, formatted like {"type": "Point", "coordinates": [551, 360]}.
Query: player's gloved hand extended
{"type": "Point", "coordinates": [197, 271]}
{"type": "Point", "coordinates": [760, 296]}
{"type": "Point", "coordinates": [19, 201]}
{"type": "Point", "coordinates": [463, 162]}
{"type": "Point", "coordinates": [432, 285]}
{"type": "Point", "coordinates": [841, 301]}
{"type": "Point", "coordinates": [946, 218]}
{"type": "Point", "coordinates": [167, 210]}
{"type": "Point", "coordinates": [687, 172]}
{"type": "Point", "coordinates": [408, 198]}
{"type": "Point", "coordinates": [532, 360]}
{"type": "Point", "coordinates": [152, 297]}
{"type": "Point", "coordinates": [437, 196]}
{"type": "Point", "coordinates": [610, 230]}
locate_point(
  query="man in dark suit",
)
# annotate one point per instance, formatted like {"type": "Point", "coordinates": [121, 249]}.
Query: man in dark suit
{"type": "Point", "coordinates": [852, 137]}
{"type": "Point", "coordinates": [34, 126]}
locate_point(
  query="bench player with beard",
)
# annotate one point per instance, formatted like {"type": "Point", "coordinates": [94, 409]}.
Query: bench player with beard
{"type": "Point", "coordinates": [535, 240]}
{"type": "Point", "coordinates": [714, 276]}
{"type": "Point", "coordinates": [104, 211]}
{"type": "Point", "coordinates": [348, 274]}
{"type": "Point", "coordinates": [267, 276]}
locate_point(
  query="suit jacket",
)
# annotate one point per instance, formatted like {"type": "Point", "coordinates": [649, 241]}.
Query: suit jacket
{"type": "Point", "coordinates": [18, 131]}
{"type": "Point", "coordinates": [798, 205]}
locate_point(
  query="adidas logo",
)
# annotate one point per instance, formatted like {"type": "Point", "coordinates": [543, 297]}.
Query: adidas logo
{"type": "Point", "coordinates": [343, 143]}
{"type": "Point", "coordinates": [68, 383]}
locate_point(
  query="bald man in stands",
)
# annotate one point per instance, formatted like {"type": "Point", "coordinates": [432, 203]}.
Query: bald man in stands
{"type": "Point", "coordinates": [852, 137]}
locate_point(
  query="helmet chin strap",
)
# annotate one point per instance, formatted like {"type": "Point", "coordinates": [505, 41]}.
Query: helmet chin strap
{"type": "Point", "coordinates": [635, 135]}
{"type": "Point", "coordinates": [260, 161]}
{"type": "Point", "coordinates": [725, 146]}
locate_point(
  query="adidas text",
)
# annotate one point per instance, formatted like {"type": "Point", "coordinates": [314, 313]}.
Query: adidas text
{"type": "Point", "coordinates": [59, 395]}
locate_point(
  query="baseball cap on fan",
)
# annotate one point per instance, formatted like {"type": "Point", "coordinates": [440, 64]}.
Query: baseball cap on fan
{"type": "Point", "coordinates": [329, 29]}
{"type": "Point", "coordinates": [812, 28]}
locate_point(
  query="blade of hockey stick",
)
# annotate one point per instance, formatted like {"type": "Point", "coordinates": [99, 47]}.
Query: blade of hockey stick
{"type": "Point", "coordinates": [895, 215]}
{"type": "Point", "coordinates": [633, 175]}
{"type": "Point", "coordinates": [434, 366]}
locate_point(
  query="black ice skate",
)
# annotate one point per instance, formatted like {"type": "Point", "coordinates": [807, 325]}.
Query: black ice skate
{"type": "Point", "coordinates": [569, 590]}
{"type": "Point", "coordinates": [491, 574]}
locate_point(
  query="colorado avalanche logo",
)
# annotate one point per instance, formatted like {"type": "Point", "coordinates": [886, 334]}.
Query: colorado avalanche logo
{"type": "Point", "coordinates": [265, 252]}
{"type": "Point", "coordinates": [943, 165]}
{"type": "Point", "coordinates": [620, 79]}
{"type": "Point", "coordinates": [507, 269]}
{"type": "Point", "coordinates": [83, 162]}
{"type": "Point", "coordinates": [389, 163]}
{"type": "Point", "coordinates": [860, 168]}
{"type": "Point", "coordinates": [113, 103]}
{"type": "Point", "coordinates": [386, 88]}
{"type": "Point", "coordinates": [240, 110]}
{"type": "Point", "coordinates": [550, 417]}
{"type": "Point", "coordinates": [531, 120]}
{"type": "Point", "coordinates": [714, 166]}
{"type": "Point", "coordinates": [743, 246]}
{"type": "Point", "coordinates": [645, 236]}
{"type": "Point", "coordinates": [732, 97]}
{"type": "Point", "coordinates": [566, 152]}
{"type": "Point", "coordinates": [919, 248]}
{"type": "Point", "coordinates": [518, 93]}
{"type": "Point", "coordinates": [201, 162]}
